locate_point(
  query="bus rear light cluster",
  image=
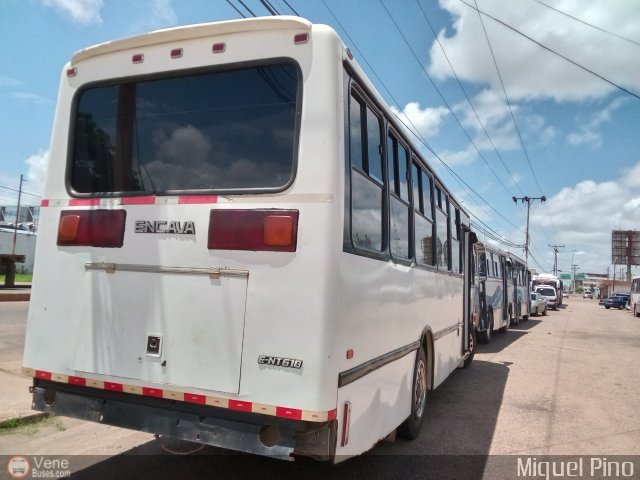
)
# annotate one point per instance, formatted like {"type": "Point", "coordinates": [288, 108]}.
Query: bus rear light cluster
{"type": "Point", "coordinates": [256, 230]}
{"type": "Point", "coordinates": [91, 228]}
{"type": "Point", "coordinates": [137, 58]}
{"type": "Point", "coordinates": [72, 72]}
{"type": "Point", "coordinates": [176, 53]}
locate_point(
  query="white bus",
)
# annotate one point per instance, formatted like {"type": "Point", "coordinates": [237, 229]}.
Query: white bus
{"type": "Point", "coordinates": [549, 279]}
{"type": "Point", "coordinates": [503, 297]}
{"type": "Point", "coordinates": [240, 247]}
{"type": "Point", "coordinates": [634, 298]}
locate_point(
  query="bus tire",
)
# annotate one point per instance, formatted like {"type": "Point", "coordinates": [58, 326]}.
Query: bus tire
{"type": "Point", "coordinates": [410, 428]}
{"type": "Point", "coordinates": [504, 328]}
{"type": "Point", "coordinates": [472, 348]}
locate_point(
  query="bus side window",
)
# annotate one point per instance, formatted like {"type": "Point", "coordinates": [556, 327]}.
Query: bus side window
{"type": "Point", "coordinates": [423, 226]}
{"type": "Point", "coordinates": [397, 158]}
{"type": "Point", "coordinates": [366, 166]}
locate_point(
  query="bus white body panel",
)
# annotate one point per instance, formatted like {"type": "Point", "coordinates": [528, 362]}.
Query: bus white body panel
{"type": "Point", "coordinates": [260, 339]}
{"type": "Point", "coordinates": [634, 298]}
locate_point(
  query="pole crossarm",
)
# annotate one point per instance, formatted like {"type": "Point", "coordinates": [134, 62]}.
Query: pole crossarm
{"type": "Point", "coordinates": [528, 201]}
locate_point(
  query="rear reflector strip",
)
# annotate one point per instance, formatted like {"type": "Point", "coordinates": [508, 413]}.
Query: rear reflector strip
{"type": "Point", "coordinates": [138, 200]}
{"type": "Point", "coordinates": [275, 411]}
{"type": "Point", "coordinates": [197, 199]}
{"type": "Point", "coordinates": [84, 202]}
{"type": "Point", "coordinates": [346, 418]}
{"type": "Point", "coordinates": [256, 230]}
{"type": "Point", "coordinates": [92, 228]}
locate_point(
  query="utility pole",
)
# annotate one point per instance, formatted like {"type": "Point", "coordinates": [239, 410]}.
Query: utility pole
{"type": "Point", "coordinates": [528, 200]}
{"type": "Point", "coordinates": [573, 269]}
{"type": "Point", "coordinates": [15, 226]}
{"type": "Point", "coordinates": [555, 258]}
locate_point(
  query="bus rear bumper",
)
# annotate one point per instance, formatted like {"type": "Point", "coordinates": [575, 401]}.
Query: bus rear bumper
{"type": "Point", "coordinates": [201, 424]}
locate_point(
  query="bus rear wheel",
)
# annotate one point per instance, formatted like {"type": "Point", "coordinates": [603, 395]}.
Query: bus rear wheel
{"type": "Point", "coordinates": [410, 428]}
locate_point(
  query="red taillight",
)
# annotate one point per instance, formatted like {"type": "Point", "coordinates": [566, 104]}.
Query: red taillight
{"type": "Point", "coordinates": [92, 228]}
{"type": "Point", "coordinates": [72, 72]}
{"type": "Point", "coordinates": [257, 230]}
{"type": "Point", "coordinates": [137, 58]}
{"type": "Point", "coordinates": [176, 53]}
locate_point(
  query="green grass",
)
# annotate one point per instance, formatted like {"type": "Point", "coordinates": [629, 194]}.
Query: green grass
{"type": "Point", "coordinates": [20, 277]}
{"type": "Point", "coordinates": [29, 425]}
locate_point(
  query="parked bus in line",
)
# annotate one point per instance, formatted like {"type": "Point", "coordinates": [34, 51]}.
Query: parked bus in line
{"type": "Point", "coordinates": [240, 246]}
{"type": "Point", "coordinates": [502, 286]}
{"type": "Point", "coordinates": [634, 299]}
{"type": "Point", "coordinates": [549, 279]}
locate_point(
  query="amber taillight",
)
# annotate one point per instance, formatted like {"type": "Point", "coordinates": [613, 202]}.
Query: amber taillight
{"type": "Point", "coordinates": [91, 228]}
{"type": "Point", "coordinates": [257, 230]}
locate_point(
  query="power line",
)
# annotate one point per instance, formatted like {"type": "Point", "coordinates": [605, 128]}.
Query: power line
{"type": "Point", "coordinates": [588, 24]}
{"type": "Point", "coordinates": [269, 7]}
{"type": "Point", "coordinates": [495, 62]}
{"type": "Point", "coordinates": [247, 8]}
{"type": "Point", "coordinates": [513, 118]}
{"type": "Point", "coordinates": [415, 56]}
{"type": "Point", "coordinates": [236, 9]}
{"type": "Point", "coordinates": [292, 9]}
{"type": "Point", "coordinates": [18, 191]}
{"type": "Point", "coordinates": [435, 35]}
{"type": "Point", "coordinates": [414, 131]}
{"type": "Point", "coordinates": [620, 87]}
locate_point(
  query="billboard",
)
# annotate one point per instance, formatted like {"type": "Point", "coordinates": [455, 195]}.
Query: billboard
{"type": "Point", "coordinates": [625, 247]}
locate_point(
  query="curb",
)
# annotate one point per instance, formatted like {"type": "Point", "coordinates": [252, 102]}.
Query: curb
{"type": "Point", "coordinates": [27, 418]}
{"type": "Point", "coordinates": [20, 296]}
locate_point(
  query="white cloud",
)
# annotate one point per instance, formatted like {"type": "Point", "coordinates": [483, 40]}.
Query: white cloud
{"type": "Point", "coordinates": [85, 12]}
{"type": "Point", "coordinates": [9, 81]}
{"type": "Point", "coordinates": [530, 72]}
{"type": "Point", "coordinates": [37, 170]}
{"type": "Point", "coordinates": [30, 97]}
{"type": "Point", "coordinates": [160, 15]}
{"type": "Point", "coordinates": [588, 133]}
{"type": "Point", "coordinates": [582, 216]}
{"type": "Point", "coordinates": [426, 120]}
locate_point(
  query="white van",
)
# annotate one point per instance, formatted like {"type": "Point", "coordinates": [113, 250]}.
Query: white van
{"type": "Point", "coordinates": [551, 294]}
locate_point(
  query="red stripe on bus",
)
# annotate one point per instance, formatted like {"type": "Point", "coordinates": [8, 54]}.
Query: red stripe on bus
{"type": "Point", "coordinates": [195, 398]}
{"type": "Point", "coordinates": [332, 414]}
{"type": "Point", "coordinates": [116, 387]}
{"type": "Point", "coordinates": [84, 202]}
{"type": "Point", "coordinates": [243, 406]}
{"type": "Point", "coordinates": [44, 203]}
{"type": "Point", "coordinates": [42, 374]}
{"type": "Point", "coordinates": [193, 199]}
{"type": "Point", "coordinates": [138, 200]}
{"type": "Point", "coordinates": [77, 381]}
{"type": "Point", "coordinates": [152, 392]}
{"type": "Point", "coordinates": [289, 413]}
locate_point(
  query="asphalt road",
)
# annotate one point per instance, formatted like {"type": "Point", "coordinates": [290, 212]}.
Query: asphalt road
{"type": "Point", "coordinates": [563, 384]}
{"type": "Point", "coordinates": [13, 324]}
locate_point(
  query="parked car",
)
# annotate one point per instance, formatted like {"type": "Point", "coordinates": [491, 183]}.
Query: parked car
{"type": "Point", "coordinates": [587, 295]}
{"type": "Point", "coordinates": [538, 304]}
{"type": "Point", "coordinates": [550, 293]}
{"type": "Point", "coordinates": [619, 300]}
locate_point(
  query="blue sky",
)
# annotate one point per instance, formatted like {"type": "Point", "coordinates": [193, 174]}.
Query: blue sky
{"type": "Point", "coordinates": [581, 134]}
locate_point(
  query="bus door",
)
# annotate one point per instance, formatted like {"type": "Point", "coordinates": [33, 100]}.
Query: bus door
{"type": "Point", "coordinates": [481, 259]}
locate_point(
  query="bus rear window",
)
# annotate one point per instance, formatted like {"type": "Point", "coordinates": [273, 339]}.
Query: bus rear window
{"type": "Point", "coordinates": [226, 131]}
